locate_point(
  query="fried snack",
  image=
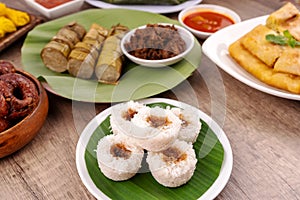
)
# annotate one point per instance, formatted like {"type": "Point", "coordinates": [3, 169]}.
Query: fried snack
{"type": "Point", "coordinates": [6, 67]}
{"type": "Point", "coordinates": [109, 66]}
{"type": "Point", "coordinates": [2, 33]}
{"type": "Point", "coordinates": [19, 18]}
{"type": "Point", "coordinates": [281, 15]}
{"type": "Point", "coordinates": [82, 59]}
{"type": "Point", "coordinates": [11, 19]}
{"type": "Point", "coordinates": [23, 102]}
{"type": "Point", "coordinates": [18, 95]}
{"type": "Point", "coordinates": [289, 61]}
{"type": "Point", "coordinates": [2, 9]}
{"type": "Point", "coordinates": [255, 42]}
{"type": "Point", "coordinates": [277, 65]}
{"type": "Point", "coordinates": [4, 93]}
{"type": "Point", "coordinates": [7, 25]}
{"type": "Point", "coordinates": [285, 18]}
{"type": "Point", "coordinates": [261, 71]}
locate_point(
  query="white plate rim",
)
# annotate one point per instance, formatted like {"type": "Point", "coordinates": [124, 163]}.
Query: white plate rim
{"type": "Point", "coordinates": [216, 49]}
{"type": "Point", "coordinates": [211, 193]}
{"type": "Point", "coordinates": [148, 8]}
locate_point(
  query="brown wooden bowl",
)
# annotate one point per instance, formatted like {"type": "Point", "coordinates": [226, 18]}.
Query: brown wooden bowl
{"type": "Point", "coordinates": [24, 131]}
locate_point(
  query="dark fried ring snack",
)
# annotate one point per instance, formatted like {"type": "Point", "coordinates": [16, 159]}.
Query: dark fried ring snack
{"type": "Point", "coordinates": [6, 67]}
{"type": "Point", "coordinates": [4, 92]}
{"type": "Point", "coordinates": [22, 97]}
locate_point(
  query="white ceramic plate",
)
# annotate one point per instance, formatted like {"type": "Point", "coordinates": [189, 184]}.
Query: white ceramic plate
{"type": "Point", "coordinates": [148, 8]}
{"type": "Point", "coordinates": [211, 193]}
{"type": "Point", "coordinates": [216, 48]}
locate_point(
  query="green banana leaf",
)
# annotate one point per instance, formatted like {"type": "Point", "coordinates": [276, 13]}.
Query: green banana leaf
{"type": "Point", "coordinates": [136, 82]}
{"type": "Point", "coordinates": [143, 185]}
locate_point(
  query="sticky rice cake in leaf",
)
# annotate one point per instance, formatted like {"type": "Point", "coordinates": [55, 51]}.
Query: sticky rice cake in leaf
{"type": "Point", "coordinates": [256, 43]}
{"type": "Point", "coordinates": [289, 61]}
{"type": "Point", "coordinates": [261, 71]}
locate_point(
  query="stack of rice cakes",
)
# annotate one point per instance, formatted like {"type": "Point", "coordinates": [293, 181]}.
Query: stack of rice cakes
{"type": "Point", "coordinates": [167, 135]}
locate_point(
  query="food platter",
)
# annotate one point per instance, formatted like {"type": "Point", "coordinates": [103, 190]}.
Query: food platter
{"type": "Point", "coordinates": [14, 36]}
{"type": "Point", "coordinates": [216, 48]}
{"type": "Point", "coordinates": [148, 8]}
{"type": "Point", "coordinates": [103, 188]}
{"type": "Point", "coordinates": [138, 81]}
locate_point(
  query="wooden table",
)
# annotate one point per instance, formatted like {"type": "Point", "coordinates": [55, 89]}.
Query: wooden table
{"type": "Point", "coordinates": [264, 132]}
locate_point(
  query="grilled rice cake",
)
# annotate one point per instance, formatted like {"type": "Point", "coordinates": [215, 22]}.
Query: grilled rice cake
{"type": "Point", "coordinates": [255, 42]}
{"type": "Point", "coordinates": [262, 71]}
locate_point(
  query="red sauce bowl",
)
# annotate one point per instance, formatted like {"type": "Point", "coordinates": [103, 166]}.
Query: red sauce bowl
{"type": "Point", "coordinates": [51, 3]}
{"type": "Point", "coordinates": [55, 8]}
{"type": "Point", "coordinates": [205, 19]}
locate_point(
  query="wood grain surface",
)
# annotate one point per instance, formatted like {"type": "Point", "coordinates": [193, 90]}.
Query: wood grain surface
{"type": "Point", "coordinates": [264, 131]}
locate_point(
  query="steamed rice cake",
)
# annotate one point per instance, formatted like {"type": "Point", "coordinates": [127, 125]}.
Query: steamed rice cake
{"type": "Point", "coordinates": [117, 159]}
{"type": "Point", "coordinates": [174, 166]}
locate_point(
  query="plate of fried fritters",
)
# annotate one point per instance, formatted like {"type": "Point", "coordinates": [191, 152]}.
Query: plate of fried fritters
{"type": "Point", "coordinates": [243, 51]}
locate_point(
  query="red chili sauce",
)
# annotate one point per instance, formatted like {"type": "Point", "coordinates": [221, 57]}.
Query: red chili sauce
{"type": "Point", "coordinates": [207, 21]}
{"type": "Point", "coordinates": [51, 3]}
